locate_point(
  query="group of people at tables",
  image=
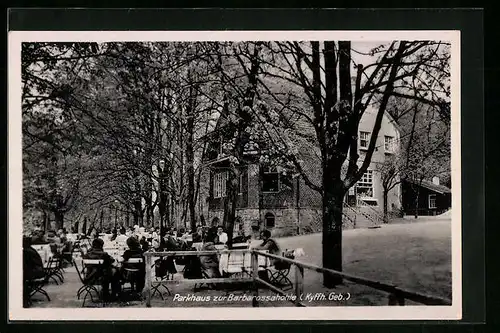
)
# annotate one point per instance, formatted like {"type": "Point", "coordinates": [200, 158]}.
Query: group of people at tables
{"type": "Point", "coordinates": [137, 241]}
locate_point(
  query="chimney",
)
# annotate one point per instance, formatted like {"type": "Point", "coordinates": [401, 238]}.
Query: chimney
{"type": "Point", "coordinates": [435, 180]}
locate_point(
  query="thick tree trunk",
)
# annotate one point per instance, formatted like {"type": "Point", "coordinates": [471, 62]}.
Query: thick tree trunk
{"type": "Point", "coordinates": [230, 202]}
{"type": "Point", "coordinates": [101, 219]}
{"type": "Point", "coordinates": [332, 232]}
{"type": "Point", "coordinates": [59, 219]}
{"type": "Point", "coordinates": [190, 155]}
{"type": "Point", "coordinates": [417, 194]}
{"type": "Point", "coordinates": [45, 221]}
{"type": "Point", "coordinates": [386, 217]}
{"type": "Point", "coordinates": [137, 213]}
{"type": "Point", "coordinates": [191, 182]}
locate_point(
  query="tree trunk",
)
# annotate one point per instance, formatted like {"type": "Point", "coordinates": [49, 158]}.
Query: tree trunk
{"type": "Point", "coordinates": [59, 219]}
{"type": "Point", "coordinates": [101, 218]}
{"type": "Point", "coordinates": [84, 226]}
{"type": "Point", "coordinates": [386, 217]}
{"type": "Point", "coordinates": [137, 212]}
{"type": "Point", "coordinates": [45, 221]}
{"type": "Point", "coordinates": [190, 118]}
{"type": "Point", "coordinates": [332, 229]}
{"type": "Point", "coordinates": [230, 202]}
{"type": "Point", "coordinates": [417, 194]}
{"type": "Point", "coordinates": [191, 181]}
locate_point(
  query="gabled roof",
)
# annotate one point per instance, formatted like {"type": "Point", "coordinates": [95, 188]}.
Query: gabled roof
{"type": "Point", "coordinates": [441, 189]}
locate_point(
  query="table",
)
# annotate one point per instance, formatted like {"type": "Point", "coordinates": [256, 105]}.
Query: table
{"type": "Point", "coordinates": [238, 262]}
{"type": "Point", "coordinates": [44, 251]}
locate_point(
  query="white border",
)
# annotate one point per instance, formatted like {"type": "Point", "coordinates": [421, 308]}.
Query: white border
{"type": "Point", "coordinates": [17, 312]}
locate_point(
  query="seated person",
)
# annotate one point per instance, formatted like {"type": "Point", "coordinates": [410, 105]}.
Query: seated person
{"type": "Point", "coordinates": [51, 236]}
{"type": "Point", "coordinates": [32, 262]}
{"type": "Point", "coordinates": [270, 245]}
{"type": "Point", "coordinates": [38, 238]}
{"type": "Point", "coordinates": [62, 236]}
{"type": "Point", "coordinates": [114, 234]}
{"type": "Point", "coordinates": [241, 238]}
{"type": "Point", "coordinates": [198, 235]}
{"type": "Point", "coordinates": [221, 236]}
{"type": "Point", "coordinates": [144, 244]}
{"type": "Point", "coordinates": [134, 251]}
{"type": "Point", "coordinates": [54, 252]}
{"type": "Point", "coordinates": [210, 263]}
{"type": "Point", "coordinates": [32, 268]}
{"type": "Point", "coordinates": [168, 242]}
{"type": "Point", "coordinates": [108, 273]}
{"type": "Point", "coordinates": [121, 239]}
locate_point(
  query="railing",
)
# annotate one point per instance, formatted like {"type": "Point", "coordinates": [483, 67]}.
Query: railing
{"type": "Point", "coordinates": [374, 216]}
{"type": "Point", "coordinates": [397, 296]}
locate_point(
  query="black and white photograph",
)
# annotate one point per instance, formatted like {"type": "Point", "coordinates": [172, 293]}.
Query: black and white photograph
{"type": "Point", "coordinates": [234, 175]}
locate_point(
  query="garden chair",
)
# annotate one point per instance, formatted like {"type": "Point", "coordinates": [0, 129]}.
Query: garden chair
{"type": "Point", "coordinates": [162, 273]}
{"type": "Point", "coordinates": [34, 286]}
{"type": "Point", "coordinates": [53, 270]}
{"type": "Point", "coordinates": [91, 283]}
{"type": "Point", "coordinates": [279, 275]}
{"type": "Point", "coordinates": [131, 272]}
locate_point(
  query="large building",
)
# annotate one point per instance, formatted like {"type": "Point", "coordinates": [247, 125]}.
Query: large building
{"type": "Point", "coordinates": [271, 198]}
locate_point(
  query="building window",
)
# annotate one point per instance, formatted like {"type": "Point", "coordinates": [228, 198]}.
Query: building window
{"type": "Point", "coordinates": [220, 184]}
{"type": "Point", "coordinates": [364, 139]}
{"type": "Point", "coordinates": [238, 224]}
{"type": "Point", "coordinates": [364, 187]}
{"type": "Point", "coordinates": [389, 144]}
{"type": "Point", "coordinates": [270, 180]}
{"type": "Point", "coordinates": [270, 221]}
{"type": "Point", "coordinates": [241, 186]}
{"type": "Point", "coordinates": [432, 201]}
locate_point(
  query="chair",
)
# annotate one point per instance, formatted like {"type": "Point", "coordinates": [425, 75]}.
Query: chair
{"type": "Point", "coordinates": [161, 274]}
{"type": "Point", "coordinates": [34, 286]}
{"type": "Point", "coordinates": [130, 273]}
{"type": "Point", "coordinates": [67, 255]}
{"type": "Point", "coordinates": [279, 275]}
{"type": "Point", "coordinates": [52, 270]}
{"type": "Point", "coordinates": [90, 283]}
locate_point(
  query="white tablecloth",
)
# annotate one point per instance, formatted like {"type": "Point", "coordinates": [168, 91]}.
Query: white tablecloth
{"type": "Point", "coordinates": [44, 251]}
{"type": "Point", "coordinates": [237, 261]}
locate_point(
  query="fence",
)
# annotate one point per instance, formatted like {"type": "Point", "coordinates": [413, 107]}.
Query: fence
{"type": "Point", "coordinates": [397, 296]}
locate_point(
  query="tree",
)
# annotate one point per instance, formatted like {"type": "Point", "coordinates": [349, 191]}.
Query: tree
{"type": "Point", "coordinates": [334, 107]}
{"type": "Point", "coordinates": [392, 173]}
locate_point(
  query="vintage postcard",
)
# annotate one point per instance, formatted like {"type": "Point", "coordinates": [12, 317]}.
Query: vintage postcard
{"type": "Point", "coordinates": [243, 175]}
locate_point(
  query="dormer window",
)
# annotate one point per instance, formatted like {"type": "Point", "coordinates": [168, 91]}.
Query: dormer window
{"type": "Point", "coordinates": [389, 144]}
{"type": "Point", "coordinates": [364, 139]}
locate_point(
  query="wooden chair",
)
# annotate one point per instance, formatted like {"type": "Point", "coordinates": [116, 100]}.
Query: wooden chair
{"type": "Point", "coordinates": [90, 283]}
{"type": "Point", "coordinates": [131, 272]}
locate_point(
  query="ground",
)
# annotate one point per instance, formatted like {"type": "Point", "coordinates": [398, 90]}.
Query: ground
{"type": "Point", "coordinates": [414, 256]}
